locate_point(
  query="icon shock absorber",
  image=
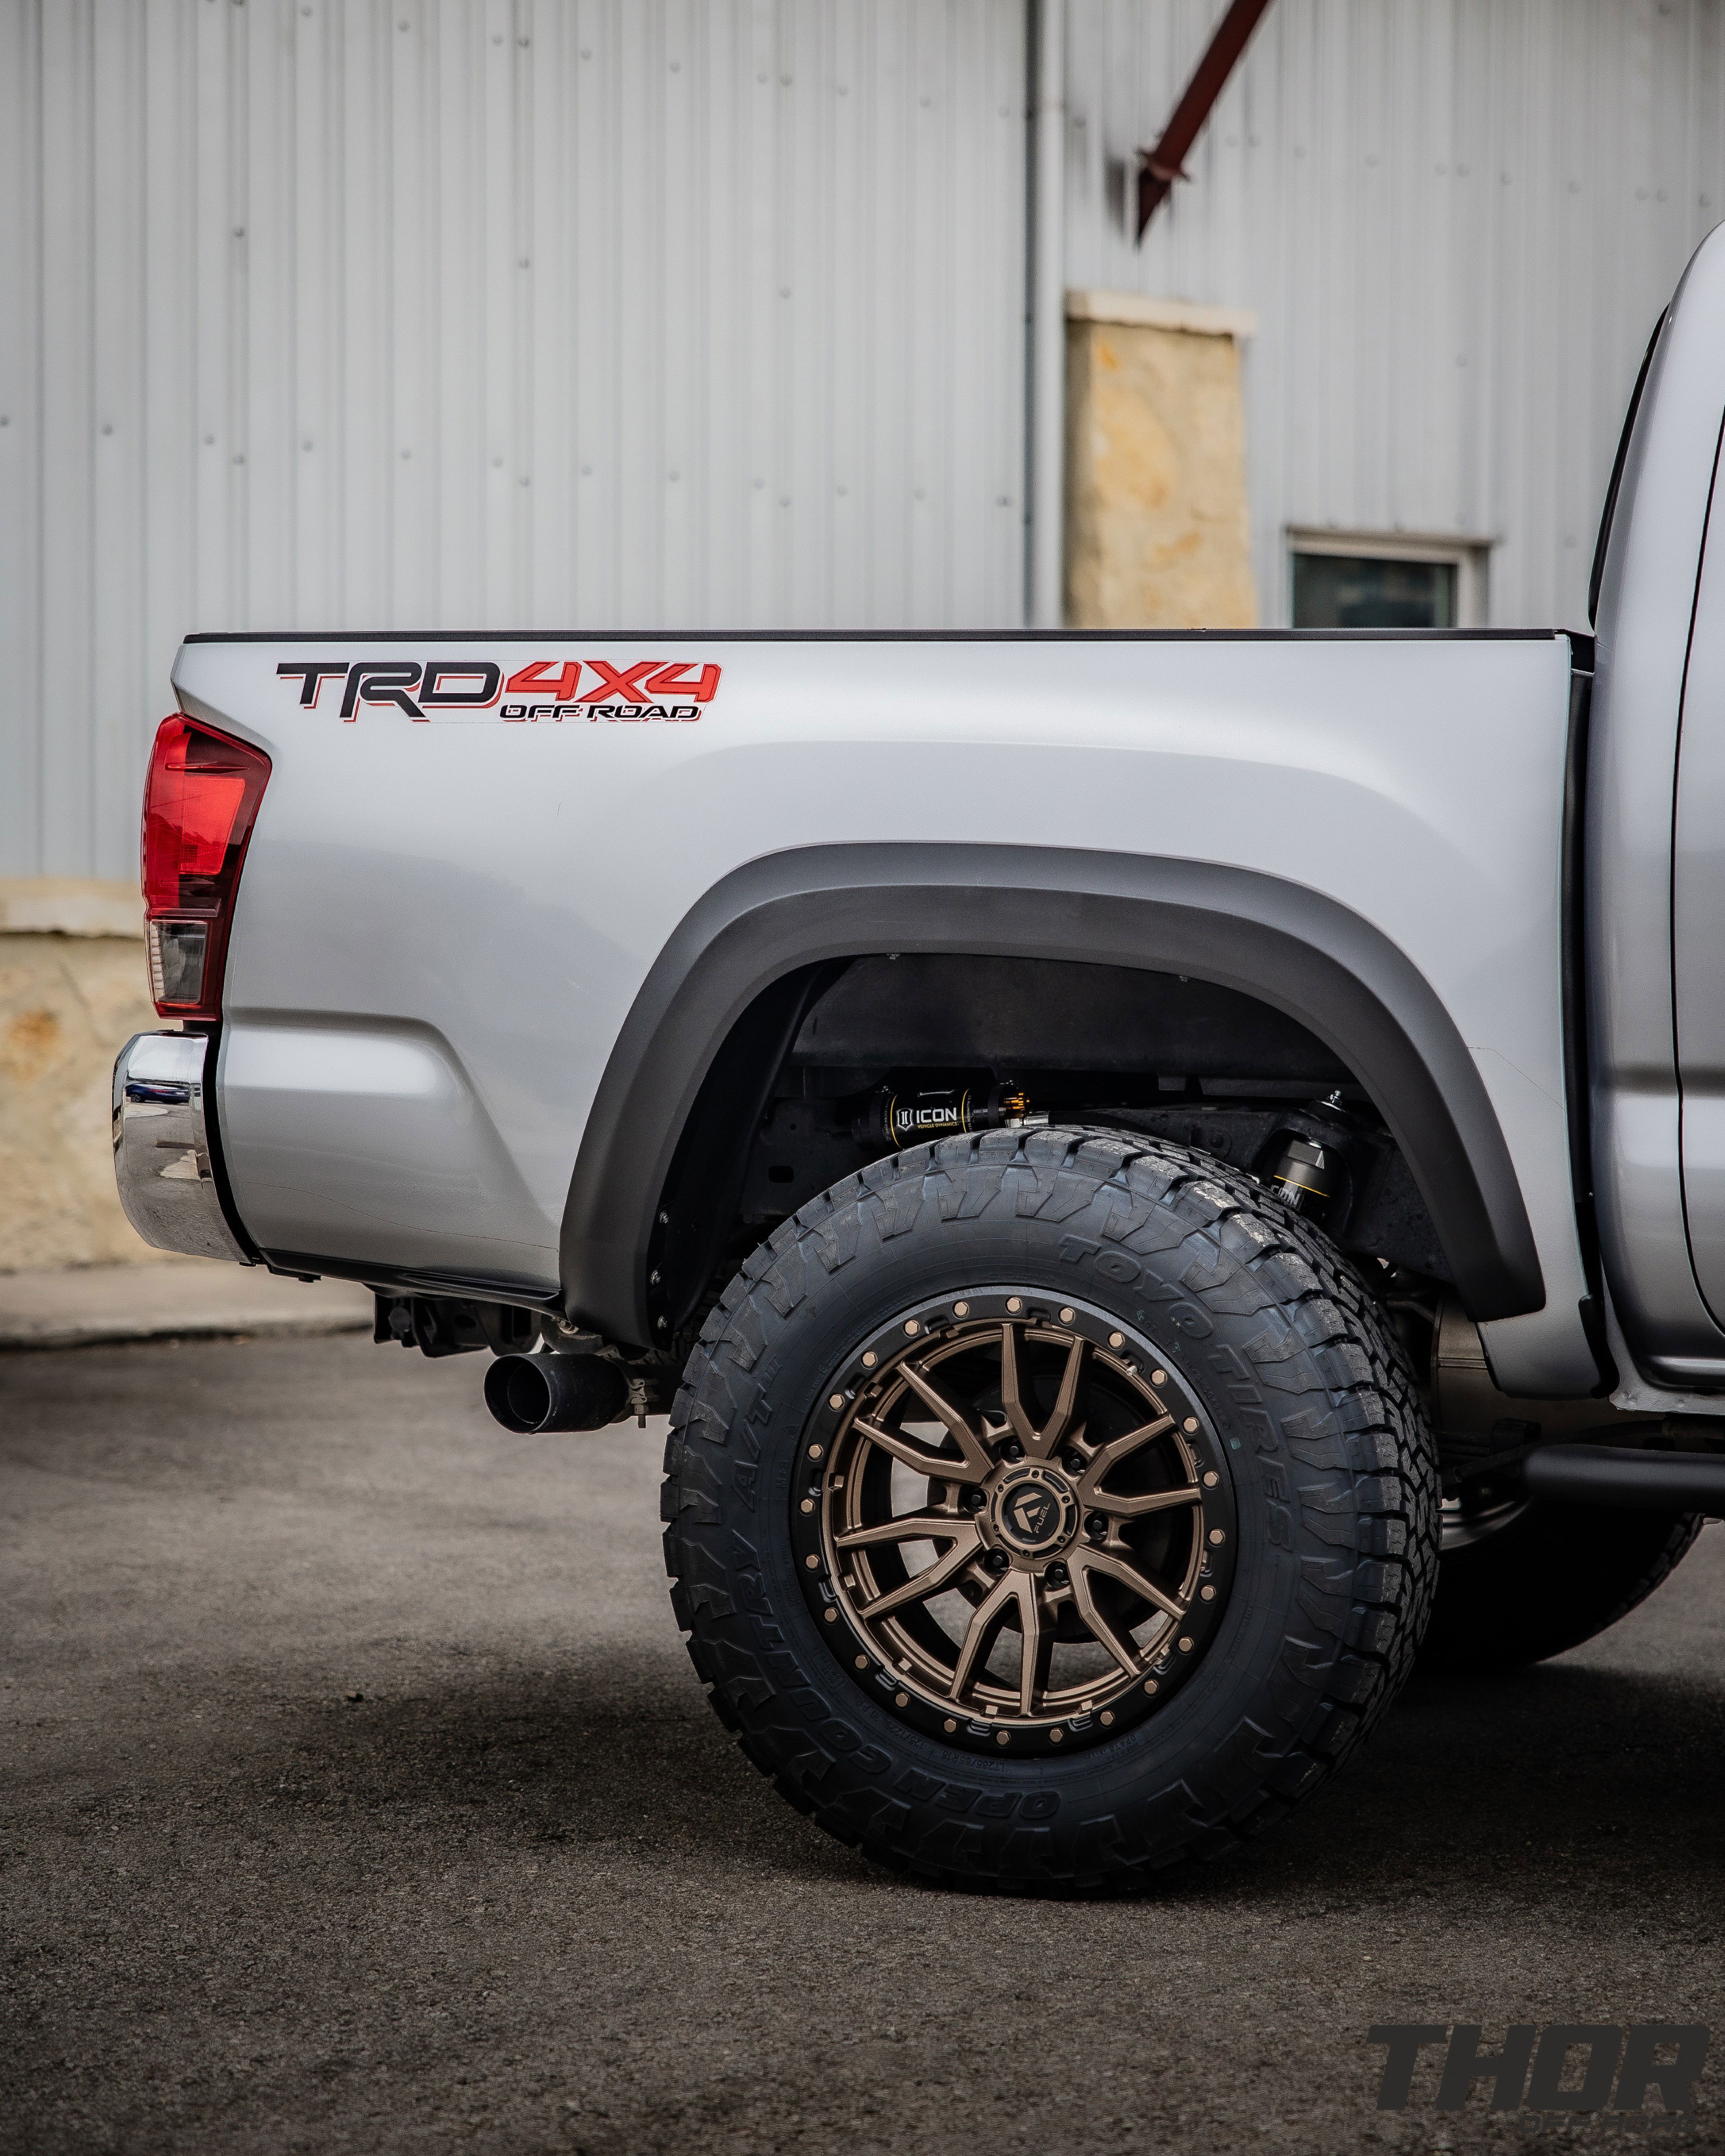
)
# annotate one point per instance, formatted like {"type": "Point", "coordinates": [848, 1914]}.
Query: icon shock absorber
{"type": "Point", "coordinates": [901, 1119]}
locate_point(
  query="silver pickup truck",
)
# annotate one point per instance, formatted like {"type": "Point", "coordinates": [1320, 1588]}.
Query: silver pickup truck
{"type": "Point", "coordinates": [1153, 1174]}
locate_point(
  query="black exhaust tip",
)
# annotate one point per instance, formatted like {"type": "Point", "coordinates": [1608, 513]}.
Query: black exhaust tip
{"type": "Point", "coordinates": [532, 1392]}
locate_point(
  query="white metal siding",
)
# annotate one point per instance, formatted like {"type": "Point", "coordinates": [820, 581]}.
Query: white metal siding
{"type": "Point", "coordinates": [467, 313]}
{"type": "Point", "coordinates": [611, 312]}
{"type": "Point", "coordinates": [1457, 221]}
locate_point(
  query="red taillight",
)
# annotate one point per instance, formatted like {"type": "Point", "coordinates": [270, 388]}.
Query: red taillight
{"type": "Point", "coordinates": [200, 801]}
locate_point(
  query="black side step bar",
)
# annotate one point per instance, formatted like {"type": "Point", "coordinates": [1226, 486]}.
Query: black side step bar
{"type": "Point", "coordinates": [1611, 1474]}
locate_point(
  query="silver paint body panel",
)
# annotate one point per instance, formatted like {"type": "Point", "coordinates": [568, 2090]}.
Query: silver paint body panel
{"type": "Point", "coordinates": [1658, 1144]}
{"type": "Point", "coordinates": [442, 927]}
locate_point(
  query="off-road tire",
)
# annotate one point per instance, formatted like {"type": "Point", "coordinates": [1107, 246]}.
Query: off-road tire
{"type": "Point", "coordinates": [1550, 1577]}
{"type": "Point", "coordinates": [1312, 1405]}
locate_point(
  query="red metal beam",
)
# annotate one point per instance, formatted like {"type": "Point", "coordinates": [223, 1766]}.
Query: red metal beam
{"type": "Point", "coordinates": [1160, 167]}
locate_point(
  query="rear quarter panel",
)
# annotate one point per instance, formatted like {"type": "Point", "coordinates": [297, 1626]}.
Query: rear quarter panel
{"type": "Point", "coordinates": [442, 926]}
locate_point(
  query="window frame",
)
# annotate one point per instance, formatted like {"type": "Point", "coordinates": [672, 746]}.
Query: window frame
{"type": "Point", "coordinates": [1469, 557]}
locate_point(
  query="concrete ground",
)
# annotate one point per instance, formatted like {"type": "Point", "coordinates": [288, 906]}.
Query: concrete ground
{"type": "Point", "coordinates": [359, 1796]}
{"type": "Point", "coordinates": [192, 1298]}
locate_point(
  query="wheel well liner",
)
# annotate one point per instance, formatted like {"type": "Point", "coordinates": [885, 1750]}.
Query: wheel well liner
{"type": "Point", "coordinates": [1291, 948]}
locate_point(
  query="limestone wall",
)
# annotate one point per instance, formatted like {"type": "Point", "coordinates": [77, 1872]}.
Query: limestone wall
{"type": "Point", "coordinates": [1158, 534]}
{"type": "Point", "coordinates": [72, 991]}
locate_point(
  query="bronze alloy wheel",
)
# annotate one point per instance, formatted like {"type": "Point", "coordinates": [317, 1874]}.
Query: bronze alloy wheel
{"type": "Point", "coordinates": [1013, 1520]}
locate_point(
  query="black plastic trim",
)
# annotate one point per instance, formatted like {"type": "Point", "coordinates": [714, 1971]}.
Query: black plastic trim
{"type": "Point", "coordinates": [211, 1030]}
{"type": "Point", "coordinates": [1290, 947]}
{"type": "Point", "coordinates": [407, 1279]}
{"type": "Point", "coordinates": [637, 636]}
{"type": "Point", "coordinates": [1577, 1085]}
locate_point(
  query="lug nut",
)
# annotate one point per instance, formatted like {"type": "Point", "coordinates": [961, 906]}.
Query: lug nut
{"type": "Point", "coordinates": [1095, 1526]}
{"type": "Point", "coordinates": [997, 1560]}
{"type": "Point", "coordinates": [1072, 1463]}
{"type": "Point", "coordinates": [974, 1500]}
{"type": "Point", "coordinates": [1012, 1450]}
{"type": "Point", "coordinates": [1057, 1575]}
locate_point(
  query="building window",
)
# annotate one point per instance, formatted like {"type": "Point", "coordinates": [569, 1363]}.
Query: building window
{"type": "Point", "coordinates": [1355, 580]}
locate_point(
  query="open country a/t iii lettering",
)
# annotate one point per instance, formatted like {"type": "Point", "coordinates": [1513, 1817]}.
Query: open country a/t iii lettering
{"type": "Point", "coordinates": [1153, 1175]}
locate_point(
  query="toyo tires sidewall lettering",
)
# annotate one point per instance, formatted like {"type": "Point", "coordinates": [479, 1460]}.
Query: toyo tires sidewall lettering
{"type": "Point", "coordinates": [1314, 1411]}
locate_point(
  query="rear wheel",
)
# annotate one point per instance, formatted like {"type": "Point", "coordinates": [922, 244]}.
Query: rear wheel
{"type": "Point", "coordinates": [1519, 1581]}
{"type": "Point", "coordinates": [1045, 1512]}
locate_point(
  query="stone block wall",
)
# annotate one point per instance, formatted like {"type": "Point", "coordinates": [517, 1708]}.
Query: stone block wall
{"type": "Point", "coordinates": [1157, 530]}
{"type": "Point", "coordinates": [72, 992]}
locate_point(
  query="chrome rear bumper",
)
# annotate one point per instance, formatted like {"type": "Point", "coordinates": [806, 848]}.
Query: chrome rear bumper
{"type": "Point", "coordinates": [161, 1159]}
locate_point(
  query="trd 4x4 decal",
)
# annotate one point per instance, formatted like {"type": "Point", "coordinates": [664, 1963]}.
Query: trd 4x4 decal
{"type": "Point", "coordinates": [553, 689]}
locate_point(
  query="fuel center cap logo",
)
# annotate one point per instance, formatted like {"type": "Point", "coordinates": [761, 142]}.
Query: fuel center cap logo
{"type": "Point", "coordinates": [1034, 1511]}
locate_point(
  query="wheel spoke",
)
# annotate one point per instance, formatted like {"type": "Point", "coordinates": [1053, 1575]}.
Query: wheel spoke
{"type": "Point", "coordinates": [937, 1466]}
{"type": "Point", "coordinates": [985, 1623]}
{"type": "Point", "coordinates": [1055, 1428]}
{"type": "Point", "coordinates": [1023, 1429]}
{"type": "Point", "coordinates": [1109, 1456]}
{"type": "Point", "coordinates": [907, 1527]}
{"type": "Point", "coordinates": [1085, 1602]}
{"type": "Point", "coordinates": [1137, 1508]}
{"type": "Point", "coordinates": [968, 1439]}
{"type": "Point", "coordinates": [1038, 1643]}
{"type": "Point", "coordinates": [930, 1581]}
{"type": "Point", "coordinates": [1128, 1575]}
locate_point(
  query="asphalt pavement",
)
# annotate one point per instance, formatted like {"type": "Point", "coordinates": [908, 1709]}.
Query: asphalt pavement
{"type": "Point", "coordinates": [358, 1795]}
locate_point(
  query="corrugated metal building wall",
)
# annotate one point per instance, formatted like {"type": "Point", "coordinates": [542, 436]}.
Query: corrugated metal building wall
{"type": "Point", "coordinates": [1457, 221]}
{"type": "Point", "coordinates": [466, 312]}
{"type": "Point", "coordinates": [463, 313]}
